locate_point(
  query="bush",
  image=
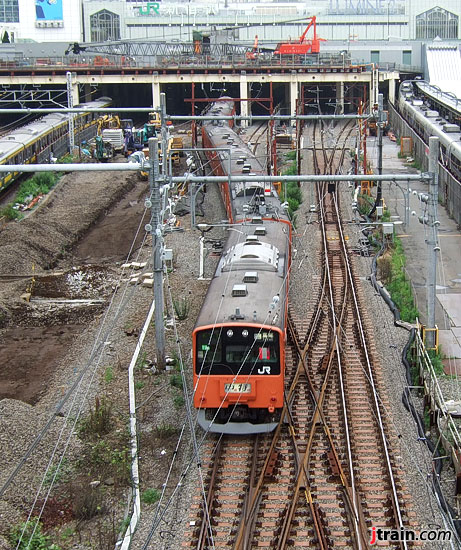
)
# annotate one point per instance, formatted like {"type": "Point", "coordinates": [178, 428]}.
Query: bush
{"type": "Point", "coordinates": [109, 375]}
{"type": "Point", "coordinates": [45, 181]}
{"type": "Point", "coordinates": [436, 360]}
{"type": "Point", "coordinates": [176, 381]}
{"type": "Point", "coordinates": [29, 541]}
{"type": "Point", "coordinates": [87, 500]}
{"type": "Point", "coordinates": [108, 459]}
{"type": "Point", "coordinates": [150, 496]}
{"type": "Point", "coordinates": [99, 421]}
{"type": "Point", "coordinates": [10, 212]}
{"type": "Point", "coordinates": [178, 401]}
{"type": "Point", "coordinates": [38, 184]}
{"type": "Point", "coordinates": [399, 286]}
{"type": "Point", "coordinates": [181, 308]}
{"type": "Point", "coordinates": [67, 159]}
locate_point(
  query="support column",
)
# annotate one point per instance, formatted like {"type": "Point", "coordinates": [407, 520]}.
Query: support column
{"type": "Point", "coordinates": [293, 96]}
{"type": "Point", "coordinates": [340, 98]}
{"type": "Point", "coordinates": [75, 94]}
{"type": "Point", "coordinates": [244, 107]}
{"type": "Point", "coordinates": [155, 94]}
{"type": "Point", "coordinates": [86, 93]}
{"type": "Point", "coordinates": [392, 91]}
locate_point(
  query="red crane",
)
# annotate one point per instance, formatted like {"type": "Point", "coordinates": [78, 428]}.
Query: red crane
{"type": "Point", "coordinates": [302, 45]}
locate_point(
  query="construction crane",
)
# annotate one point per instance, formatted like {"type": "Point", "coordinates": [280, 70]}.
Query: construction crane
{"type": "Point", "coordinates": [301, 46]}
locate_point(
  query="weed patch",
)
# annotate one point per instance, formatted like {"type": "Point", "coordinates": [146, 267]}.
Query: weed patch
{"type": "Point", "coordinates": [29, 536]}
{"type": "Point", "coordinates": [150, 496]}
{"type": "Point", "coordinates": [181, 308]}
{"type": "Point", "coordinates": [99, 420]}
{"type": "Point", "coordinates": [398, 284]}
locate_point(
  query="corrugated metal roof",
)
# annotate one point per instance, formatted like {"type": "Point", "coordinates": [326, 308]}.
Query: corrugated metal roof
{"type": "Point", "coordinates": [444, 68]}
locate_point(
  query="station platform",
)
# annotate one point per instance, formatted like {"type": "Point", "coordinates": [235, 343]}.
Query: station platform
{"type": "Point", "coordinates": [413, 238]}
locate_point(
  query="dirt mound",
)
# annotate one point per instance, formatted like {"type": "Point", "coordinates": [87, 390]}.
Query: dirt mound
{"type": "Point", "coordinates": [39, 241]}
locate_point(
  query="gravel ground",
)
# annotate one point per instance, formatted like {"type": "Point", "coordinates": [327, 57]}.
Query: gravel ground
{"type": "Point", "coordinates": [160, 420]}
{"type": "Point", "coordinates": [413, 456]}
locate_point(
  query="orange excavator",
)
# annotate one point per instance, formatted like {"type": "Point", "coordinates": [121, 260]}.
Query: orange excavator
{"type": "Point", "coordinates": [254, 52]}
{"type": "Point", "coordinates": [302, 45]}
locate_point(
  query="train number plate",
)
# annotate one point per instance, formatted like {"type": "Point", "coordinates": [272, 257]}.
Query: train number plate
{"type": "Point", "coordinates": [237, 388]}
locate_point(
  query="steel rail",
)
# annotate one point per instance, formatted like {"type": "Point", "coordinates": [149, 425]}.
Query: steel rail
{"type": "Point", "coordinates": [206, 527]}
{"type": "Point", "coordinates": [395, 500]}
{"type": "Point", "coordinates": [350, 499]}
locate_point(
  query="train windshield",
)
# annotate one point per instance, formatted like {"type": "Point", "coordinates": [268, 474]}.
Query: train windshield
{"type": "Point", "coordinates": [237, 349]}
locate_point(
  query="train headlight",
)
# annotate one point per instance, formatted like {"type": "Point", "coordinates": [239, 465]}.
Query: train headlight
{"type": "Point", "coordinates": [230, 333]}
{"type": "Point", "coordinates": [244, 333]}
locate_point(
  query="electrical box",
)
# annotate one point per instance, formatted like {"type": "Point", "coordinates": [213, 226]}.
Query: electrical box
{"type": "Point", "coordinates": [388, 228]}
{"type": "Point", "coordinates": [168, 254]}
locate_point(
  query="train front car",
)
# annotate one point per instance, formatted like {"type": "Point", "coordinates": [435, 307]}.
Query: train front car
{"type": "Point", "coordinates": [240, 335]}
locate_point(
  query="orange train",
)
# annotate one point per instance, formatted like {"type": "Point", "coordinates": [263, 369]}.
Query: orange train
{"type": "Point", "coordinates": [240, 335]}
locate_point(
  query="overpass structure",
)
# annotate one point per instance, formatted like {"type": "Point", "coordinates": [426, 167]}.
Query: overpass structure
{"type": "Point", "coordinates": [293, 73]}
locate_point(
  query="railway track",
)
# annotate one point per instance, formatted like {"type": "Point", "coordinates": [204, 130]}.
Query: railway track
{"type": "Point", "coordinates": [329, 472]}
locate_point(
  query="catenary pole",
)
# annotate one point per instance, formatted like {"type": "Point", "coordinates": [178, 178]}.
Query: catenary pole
{"type": "Point", "coordinates": [432, 238]}
{"type": "Point", "coordinates": [70, 105]}
{"type": "Point", "coordinates": [157, 250]}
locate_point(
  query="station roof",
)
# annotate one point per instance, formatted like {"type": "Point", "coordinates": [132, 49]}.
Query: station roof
{"type": "Point", "coordinates": [444, 67]}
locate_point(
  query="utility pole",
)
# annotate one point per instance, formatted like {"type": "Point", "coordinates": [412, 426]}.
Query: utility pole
{"type": "Point", "coordinates": [164, 133]}
{"type": "Point", "coordinates": [157, 249]}
{"type": "Point", "coordinates": [379, 130]}
{"type": "Point", "coordinates": [70, 105]}
{"type": "Point", "coordinates": [432, 239]}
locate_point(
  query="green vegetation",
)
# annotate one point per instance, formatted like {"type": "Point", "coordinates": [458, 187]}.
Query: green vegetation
{"type": "Point", "coordinates": [436, 360]}
{"type": "Point", "coordinates": [176, 381]}
{"type": "Point", "coordinates": [141, 361]}
{"type": "Point", "coordinates": [417, 164]}
{"type": "Point", "coordinates": [181, 308]}
{"type": "Point", "coordinates": [365, 204]}
{"type": "Point", "coordinates": [398, 284]}
{"type": "Point", "coordinates": [38, 184]}
{"type": "Point", "coordinates": [290, 191]}
{"type": "Point", "coordinates": [29, 536]}
{"type": "Point", "coordinates": [139, 385]}
{"type": "Point", "coordinates": [58, 473]}
{"type": "Point", "coordinates": [87, 501]}
{"type": "Point", "coordinates": [178, 401]}
{"type": "Point", "coordinates": [99, 421]}
{"type": "Point", "coordinates": [10, 213]}
{"type": "Point", "coordinates": [164, 431]}
{"type": "Point", "coordinates": [109, 375]}
{"type": "Point", "coordinates": [150, 496]}
{"type": "Point", "coordinates": [386, 217]}
{"type": "Point", "coordinates": [106, 449]}
{"type": "Point", "coordinates": [68, 159]}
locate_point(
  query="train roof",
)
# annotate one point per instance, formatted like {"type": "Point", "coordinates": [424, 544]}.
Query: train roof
{"type": "Point", "coordinates": [251, 272]}
{"type": "Point", "coordinates": [447, 99]}
{"type": "Point", "coordinates": [246, 196]}
{"type": "Point", "coordinates": [448, 134]}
